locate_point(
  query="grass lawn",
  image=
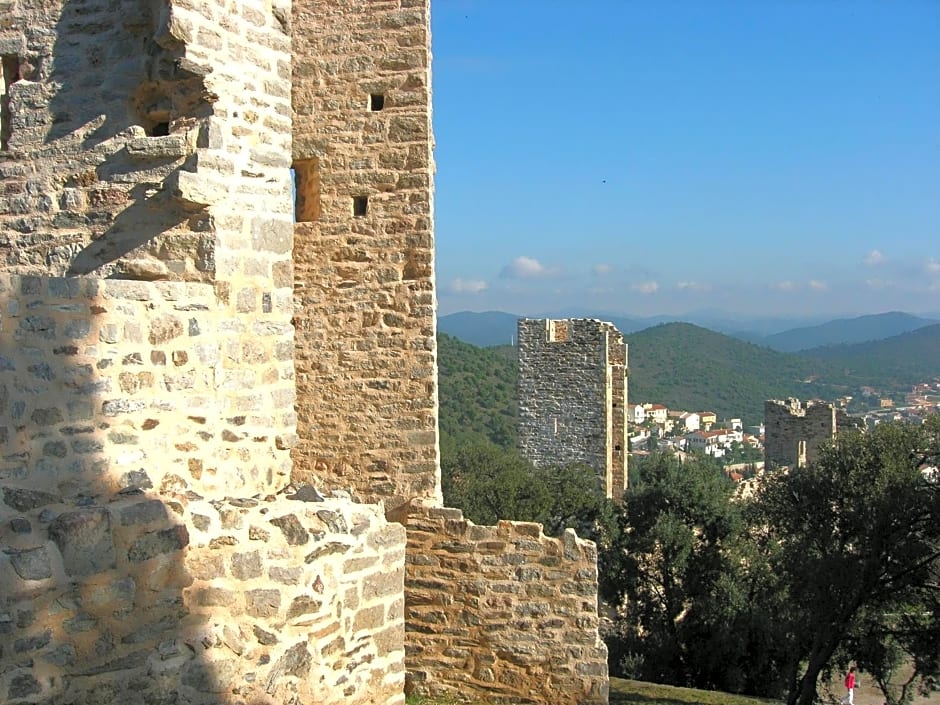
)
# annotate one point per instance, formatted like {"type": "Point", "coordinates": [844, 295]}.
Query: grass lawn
{"type": "Point", "coordinates": [623, 692]}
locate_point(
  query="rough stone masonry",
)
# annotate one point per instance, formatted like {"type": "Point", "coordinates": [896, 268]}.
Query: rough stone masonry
{"type": "Point", "coordinates": [573, 396]}
{"type": "Point", "coordinates": [219, 473]}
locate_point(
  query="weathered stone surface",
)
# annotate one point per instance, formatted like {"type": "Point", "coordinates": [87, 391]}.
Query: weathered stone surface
{"type": "Point", "coordinates": [295, 662]}
{"type": "Point", "coordinates": [294, 532]}
{"type": "Point", "coordinates": [573, 396]}
{"type": "Point", "coordinates": [143, 512]}
{"type": "Point", "coordinates": [25, 500]}
{"type": "Point", "coordinates": [480, 606]}
{"type": "Point", "coordinates": [31, 564]}
{"type": "Point", "coordinates": [245, 566]}
{"type": "Point", "coordinates": [795, 431]}
{"type": "Point", "coordinates": [263, 603]}
{"type": "Point", "coordinates": [159, 542]}
{"type": "Point", "coordinates": [85, 540]}
{"type": "Point", "coordinates": [22, 685]}
{"type": "Point", "coordinates": [158, 296]}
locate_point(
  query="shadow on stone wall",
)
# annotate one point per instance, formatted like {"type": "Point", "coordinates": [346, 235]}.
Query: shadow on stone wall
{"type": "Point", "coordinates": [92, 568]}
{"type": "Point", "coordinates": [122, 111]}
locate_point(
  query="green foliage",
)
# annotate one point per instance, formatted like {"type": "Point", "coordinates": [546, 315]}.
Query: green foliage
{"type": "Point", "coordinates": [478, 392]}
{"type": "Point", "coordinates": [687, 367]}
{"type": "Point", "coordinates": [856, 542]}
{"type": "Point", "coordinates": [895, 362]}
{"type": "Point", "coordinates": [679, 569]}
{"type": "Point", "coordinates": [489, 483]}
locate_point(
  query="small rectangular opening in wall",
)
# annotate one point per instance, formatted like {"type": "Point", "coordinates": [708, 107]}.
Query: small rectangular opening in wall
{"type": "Point", "coordinates": [10, 68]}
{"type": "Point", "coordinates": [360, 206]}
{"type": "Point", "coordinates": [376, 102]}
{"type": "Point", "coordinates": [305, 177]}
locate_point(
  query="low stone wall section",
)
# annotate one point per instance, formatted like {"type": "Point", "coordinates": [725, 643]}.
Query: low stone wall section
{"type": "Point", "coordinates": [504, 613]}
{"type": "Point", "coordinates": [159, 601]}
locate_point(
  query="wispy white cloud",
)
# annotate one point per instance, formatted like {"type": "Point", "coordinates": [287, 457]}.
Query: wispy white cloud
{"type": "Point", "coordinates": [645, 288]}
{"type": "Point", "coordinates": [873, 258]}
{"type": "Point", "coordinates": [785, 285]}
{"type": "Point", "coordinates": [695, 287]}
{"type": "Point", "coordinates": [468, 286]}
{"type": "Point", "coordinates": [601, 270]}
{"type": "Point", "coordinates": [817, 285]}
{"type": "Point", "coordinates": [526, 268]}
{"type": "Point", "coordinates": [877, 284]}
{"type": "Point", "coordinates": [933, 267]}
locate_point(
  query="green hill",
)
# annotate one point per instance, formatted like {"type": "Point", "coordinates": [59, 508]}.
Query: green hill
{"type": "Point", "coordinates": [846, 331]}
{"type": "Point", "coordinates": [478, 391]}
{"type": "Point", "coordinates": [898, 361]}
{"type": "Point", "coordinates": [688, 367]}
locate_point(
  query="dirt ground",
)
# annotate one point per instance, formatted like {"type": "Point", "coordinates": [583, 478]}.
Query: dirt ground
{"type": "Point", "coordinates": [868, 693]}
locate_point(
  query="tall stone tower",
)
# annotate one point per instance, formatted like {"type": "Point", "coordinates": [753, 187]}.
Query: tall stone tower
{"type": "Point", "coordinates": [219, 473]}
{"type": "Point", "coordinates": [366, 352]}
{"type": "Point", "coordinates": [573, 396]}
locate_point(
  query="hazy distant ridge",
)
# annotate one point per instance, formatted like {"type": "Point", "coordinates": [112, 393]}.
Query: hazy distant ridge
{"type": "Point", "coordinates": [499, 328]}
{"type": "Point", "coordinates": [846, 331]}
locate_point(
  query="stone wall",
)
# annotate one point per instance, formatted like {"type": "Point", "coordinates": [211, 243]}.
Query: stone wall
{"type": "Point", "coordinates": [573, 396]}
{"type": "Point", "coordinates": [160, 541]}
{"type": "Point", "coordinates": [150, 552]}
{"type": "Point", "coordinates": [795, 430]}
{"type": "Point", "coordinates": [111, 385]}
{"type": "Point", "coordinates": [175, 598]}
{"type": "Point", "coordinates": [502, 613]}
{"type": "Point", "coordinates": [149, 142]}
{"type": "Point", "coordinates": [366, 347]}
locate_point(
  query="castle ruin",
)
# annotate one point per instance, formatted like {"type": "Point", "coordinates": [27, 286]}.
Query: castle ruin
{"type": "Point", "coordinates": [573, 396]}
{"type": "Point", "coordinates": [794, 430]}
{"type": "Point", "coordinates": [219, 466]}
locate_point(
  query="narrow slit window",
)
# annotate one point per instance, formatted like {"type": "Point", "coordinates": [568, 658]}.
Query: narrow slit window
{"type": "Point", "coordinates": [305, 185]}
{"type": "Point", "coordinates": [10, 68]}
{"type": "Point", "coordinates": [376, 102]}
{"type": "Point", "coordinates": [360, 206]}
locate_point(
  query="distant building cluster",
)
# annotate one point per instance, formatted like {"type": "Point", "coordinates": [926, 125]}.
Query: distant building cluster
{"type": "Point", "coordinates": [686, 431]}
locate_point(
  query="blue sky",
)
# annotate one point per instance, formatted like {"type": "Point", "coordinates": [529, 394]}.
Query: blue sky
{"type": "Point", "coordinates": [641, 158]}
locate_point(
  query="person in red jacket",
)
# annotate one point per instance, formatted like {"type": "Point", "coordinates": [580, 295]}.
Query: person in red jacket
{"type": "Point", "coordinates": [849, 698]}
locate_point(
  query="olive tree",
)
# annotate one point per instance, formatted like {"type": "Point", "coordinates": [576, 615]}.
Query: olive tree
{"type": "Point", "coordinates": [856, 543]}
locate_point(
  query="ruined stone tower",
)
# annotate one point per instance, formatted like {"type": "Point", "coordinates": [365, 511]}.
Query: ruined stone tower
{"type": "Point", "coordinates": [573, 396]}
{"type": "Point", "coordinates": [794, 430]}
{"type": "Point", "coordinates": [219, 477]}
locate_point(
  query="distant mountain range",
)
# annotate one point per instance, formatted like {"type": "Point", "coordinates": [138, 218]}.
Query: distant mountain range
{"type": "Point", "coordinates": [499, 328]}
{"type": "Point", "coordinates": [846, 331]}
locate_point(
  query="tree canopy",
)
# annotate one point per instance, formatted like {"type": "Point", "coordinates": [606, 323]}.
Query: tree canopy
{"type": "Point", "coordinates": [856, 537]}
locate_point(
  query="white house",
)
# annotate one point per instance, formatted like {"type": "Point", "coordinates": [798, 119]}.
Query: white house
{"type": "Point", "coordinates": [657, 412]}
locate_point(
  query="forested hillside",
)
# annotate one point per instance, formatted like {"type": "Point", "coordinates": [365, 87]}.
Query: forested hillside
{"type": "Point", "coordinates": [846, 331]}
{"type": "Point", "coordinates": [687, 367]}
{"type": "Point", "coordinates": [478, 392]}
{"type": "Point", "coordinates": [901, 360]}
